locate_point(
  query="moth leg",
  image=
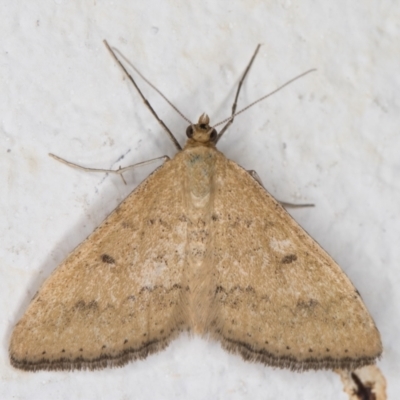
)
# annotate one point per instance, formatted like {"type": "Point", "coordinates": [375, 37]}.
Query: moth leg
{"type": "Point", "coordinates": [118, 171]}
{"type": "Point", "coordinates": [229, 123]}
{"type": "Point", "coordinates": [283, 203]}
{"type": "Point", "coordinates": [255, 176]}
{"type": "Point", "coordinates": [291, 205]}
{"type": "Point", "coordinates": [145, 101]}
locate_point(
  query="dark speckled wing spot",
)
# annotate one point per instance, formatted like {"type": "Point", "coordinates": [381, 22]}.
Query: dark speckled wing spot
{"type": "Point", "coordinates": [106, 258]}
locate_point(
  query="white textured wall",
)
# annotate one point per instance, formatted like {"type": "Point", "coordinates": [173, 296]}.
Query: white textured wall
{"type": "Point", "coordinates": [332, 138]}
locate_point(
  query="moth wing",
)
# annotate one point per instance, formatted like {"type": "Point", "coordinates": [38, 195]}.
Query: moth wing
{"type": "Point", "coordinates": [280, 298]}
{"type": "Point", "coordinates": [118, 295]}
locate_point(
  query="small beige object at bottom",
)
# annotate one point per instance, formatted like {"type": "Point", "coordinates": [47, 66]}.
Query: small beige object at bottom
{"type": "Point", "coordinates": [365, 383]}
{"type": "Point", "coordinates": [199, 246]}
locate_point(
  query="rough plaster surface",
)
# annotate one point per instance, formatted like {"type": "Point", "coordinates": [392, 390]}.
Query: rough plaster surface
{"type": "Point", "coordinates": [331, 138]}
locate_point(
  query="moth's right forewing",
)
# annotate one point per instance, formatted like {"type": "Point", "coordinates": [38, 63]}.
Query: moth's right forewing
{"type": "Point", "coordinates": [279, 297]}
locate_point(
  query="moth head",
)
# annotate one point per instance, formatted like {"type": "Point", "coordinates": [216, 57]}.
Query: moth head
{"type": "Point", "coordinates": [202, 132]}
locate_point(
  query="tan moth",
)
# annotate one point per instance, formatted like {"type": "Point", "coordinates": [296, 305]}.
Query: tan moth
{"type": "Point", "coordinates": [199, 246]}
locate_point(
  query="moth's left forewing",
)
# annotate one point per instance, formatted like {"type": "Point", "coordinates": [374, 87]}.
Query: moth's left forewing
{"type": "Point", "coordinates": [279, 297]}
{"type": "Point", "coordinates": [119, 295]}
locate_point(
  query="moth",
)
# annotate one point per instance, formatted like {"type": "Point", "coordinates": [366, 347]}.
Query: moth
{"type": "Point", "coordinates": [199, 246]}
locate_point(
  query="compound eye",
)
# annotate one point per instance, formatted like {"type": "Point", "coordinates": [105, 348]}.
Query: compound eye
{"type": "Point", "coordinates": [213, 135]}
{"type": "Point", "coordinates": [189, 131]}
